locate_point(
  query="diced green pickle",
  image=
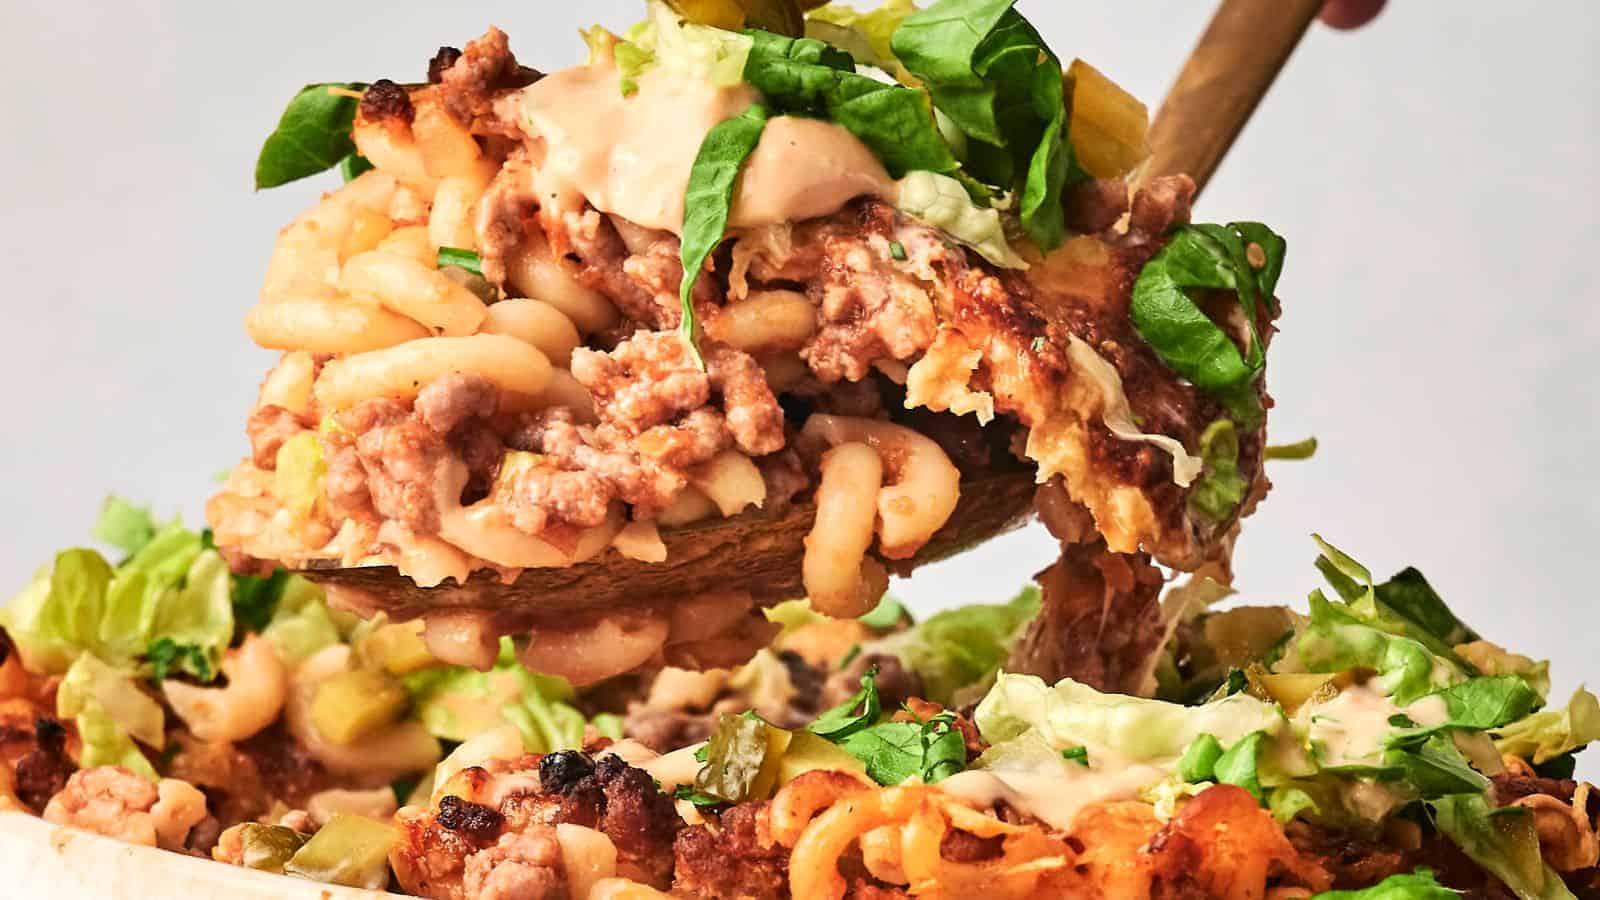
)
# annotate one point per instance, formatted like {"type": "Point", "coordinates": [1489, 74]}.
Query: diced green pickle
{"type": "Point", "coordinates": [743, 759]}
{"type": "Point", "coordinates": [352, 705]}
{"type": "Point", "coordinates": [778, 16]}
{"type": "Point", "coordinates": [268, 847]}
{"type": "Point", "coordinates": [352, 851]}
{"type": "Point", "coordinates": [397, 649]}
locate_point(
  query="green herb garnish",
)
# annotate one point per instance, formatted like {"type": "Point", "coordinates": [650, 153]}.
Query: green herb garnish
{"type": "Point", "coordinates": [887, 614]}
{"type": "Point", "coordinates": [1221, 489]}
{"type": "Point", "coordinates": [167, 657]}
{"type": "Point", "coordinates": [894, 752]}
{"type": "Point", "coordinates": [897, 251]}
{"type": "Point", "coordinates": [1298, 450]}
{"type": "Point", "coordinates": [853, 715]}
{"type": "Point", "coordinates": [707, 202]}
{"type": "Point", "coordinates": [1216, 257]}
{"type": "Point", "coordinates": [809, 77]}
{"type": "Point", "coordinates": [991, 73]}
{"type": "Point", "coordinates": [312, 136]}
{"type": "Point", "coordinates": [1079, 754]}
{"type": "Point", "coordinates": [461, 259]}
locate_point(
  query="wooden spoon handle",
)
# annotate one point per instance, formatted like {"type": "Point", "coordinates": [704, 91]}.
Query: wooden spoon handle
{"type": "Point", "coordinates": [1226, 75]}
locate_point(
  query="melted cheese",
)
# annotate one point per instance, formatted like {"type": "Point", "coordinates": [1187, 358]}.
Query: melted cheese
{"type": "Point", "coordinates": [631, 156]}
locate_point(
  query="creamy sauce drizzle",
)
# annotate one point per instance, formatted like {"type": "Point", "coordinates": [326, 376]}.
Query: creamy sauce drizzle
{"type": "Point", "coordinates": [631, 156]}
{"type": "Point", "coordinates": [1053, 799]}
{"type": "Point", "coordinates": [1349, 729]}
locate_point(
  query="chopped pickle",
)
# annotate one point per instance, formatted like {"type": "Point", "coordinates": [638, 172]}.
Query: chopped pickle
{"type": "Point", "coordinates": [1294, 690]}
{"type": "Point", "coordinates": [397, 649]}
{"type": "Point", "coordinates": [1244, 634]}
{"type": "Point", "coordinates": [808, 752]}
{"type": "Point", "coordinates": [297, 481]}
{"type": "Point", "coordinates": [777, 16]}
{"type": "Point", "coordinates": [1108, 123]}
{"type": "Point", "coordinates": [352, 851]}
{"type": "Point", "coordinates": [268, 847]}
{"type": "Point", "coordinates": [349, 706]}
{"type": "Point", "coordinates": [743, 759]}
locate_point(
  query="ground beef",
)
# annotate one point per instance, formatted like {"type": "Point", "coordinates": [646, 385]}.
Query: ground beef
{"type": "Point", "coordinates": [665, 730]}
{"type": "Point", "coordinates": [1353, 862]}
{"type": "Point", "coordinates": [473, 820]}
{"type": "Point", "coordinates": [1163, 203]}
{"type": "Point", "coordinates": [730, 861]}
{"type": "Point", "coordinates": [963, 847]}
{"type": "Point", "coordinates": [391, 459]}
{"type": "Point", "coordinates": [612, 470]}
{"type": "Point", "coordinates": [508, 206]}
{"type": "Point", "coordinates": [1099, 620]}
{"type": "Point", "coordinates": [469, 84]}
{"type": "Point", "coordinates": [43, 770]}
{"type": "Point", "coordinates": [387, 101]}
{"type": "Point", "coordinates": [1096, 204]}
{"type": "Point", "coordinates": [269, 428]}
{"type": "Point", "coordinates": [646, 381]}
{"type": "Point", "coordinates": [871, 308]}
{"type": "Point", "coordinates": [752, 411]}
{"type": "Point", "coordinates": [442, 60]}
{"type": "Point", "coordinates": [523, 866]}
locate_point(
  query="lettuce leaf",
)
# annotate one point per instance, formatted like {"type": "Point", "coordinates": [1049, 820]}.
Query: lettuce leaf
{"type": "Point", "coordinates": [1477, 704]}
{"type": "Point", "coordinates": [1117, 414]}
{"type": "Point", "coordinates": [1221, 489]}
{"type": "Point", "coordinates": [962, 647]}
{"type": "Point", "coordinates": [1133, 728]}
{"type": "Point", "coordinates": [170, 587]}
{"type": "Point", "coordinates": [1336, 640]}
{"type": "Point", "coordinates": [300, 623]}
{"type": "Point", "coordinates": [457, 703]}
{"type": "Point", "coordinates": [943, 203]}
{"type": "Point", "coordinates": [110, 710]}
{"type": "Point", "coordinates": [124, 525]}
{"type": "Point", "coordinates": [665, 39]}
{"type": "Point", "coordinates": [1550, 733]}
{"type": "Point", "coordinates": [864, 35]}
{"type": "Point", "coordinates": [1503, 841]}
{"type": "Point", "coordinates": [1418, 885]}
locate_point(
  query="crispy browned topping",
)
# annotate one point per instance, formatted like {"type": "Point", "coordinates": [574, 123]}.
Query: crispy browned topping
{"type": "Point", "coordinates": [387, 100]}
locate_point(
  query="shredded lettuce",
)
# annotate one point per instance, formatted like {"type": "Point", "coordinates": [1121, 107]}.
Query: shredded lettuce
{"type": "Point", "coordinates": [1118, 415]}
{"type": "Point", "coordinates": [665, 39]}
{"type": "Point", "coordinates": [864, 35]}
{"type": "Point", "coordinates": [943, 203]}
{"type": "Point", "coordinates": [124, 525]}
{"type": "Point", "coordinates": [457, 703]}
{"type": "Point", "coordinates": [962, 648]}
{"type": "Point", "coordinates": [171, 588]}
{"type": "Point", "coordinates": [1337, 640]}
{"type": "Point", "coordinates": [1550, 733]}
{"type": "Point", "coordinates": [1072, 714]}
{"type": "Point", "coordinates": [1221, 489]}
{"type": "Point", "coordinates": [1503, 841]}
{"type": "Point", "coordinates": [301, 623]}
{"type": "Point", "coordinates": [110, 710]}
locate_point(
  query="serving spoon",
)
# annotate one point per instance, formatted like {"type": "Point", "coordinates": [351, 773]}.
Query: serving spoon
{"type": "Point", "coordinates": [1245, 45]}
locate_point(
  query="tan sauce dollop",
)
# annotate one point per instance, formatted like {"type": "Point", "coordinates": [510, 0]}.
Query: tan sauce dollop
{"type": "Point", "coordinates": [631, 156]}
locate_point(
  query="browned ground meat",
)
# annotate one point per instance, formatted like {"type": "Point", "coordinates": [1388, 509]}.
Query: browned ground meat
{"type": "Point", "coordinates": [1094, 205]}
{"type": "Point", "coordinates": [521, 866]}
{"type": "Point", "coordinates": [467, 86]}
{"type": "Point", "coordinates": [1352, 861]}
{"type": "Point", "coordinates": [269, 428]}
{"type": "Point", "coordinates": [387, 100]}
{"type": "Point", "coordinates": [244, 781]}
{"type": "Point", "coordinates": [1099, 620]}
{"type": "Point", "coordinates": [391, 458]}
{"type": "Point", "coordinates": [730, 862]}
{"type": "Point", "coordinates": [647, 380]}
{"type": "Point", "coordinates": [1162, 204]}
{"type": "Point", "coordinates": [43, 769]}
{"type": "Point", "coordinates": [495, 840]}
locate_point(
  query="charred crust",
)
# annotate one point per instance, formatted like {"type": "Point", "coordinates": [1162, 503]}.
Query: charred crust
{"type": "Point", "coordinates": [385, 100]}
{"type": "Point", "coordinates": [442, 60]}
{"type": "Point", "coordinates": [472, 820]}
{"type": "Point", "coordinates": [562, 771]}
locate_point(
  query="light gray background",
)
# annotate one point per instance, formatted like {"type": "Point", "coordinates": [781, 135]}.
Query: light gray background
{"type": "Point", "coordinates": [1434, 174]}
